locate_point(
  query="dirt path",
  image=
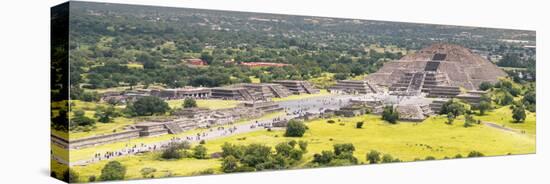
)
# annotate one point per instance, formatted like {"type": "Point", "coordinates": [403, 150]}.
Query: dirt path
{"type": "Point", "coordinates": [500, 127]}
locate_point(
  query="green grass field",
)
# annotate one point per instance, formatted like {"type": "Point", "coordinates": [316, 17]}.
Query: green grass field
{"type": "Point", "coordinates": [118, 124]}
{"type": "Point", "coordinates": [164, 168]}
{"type": "Point", "coordinates": [406, 141]}
{"type": "Point", "coordinates": [503, 116]}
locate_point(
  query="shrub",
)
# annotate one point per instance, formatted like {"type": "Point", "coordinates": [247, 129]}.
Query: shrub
{"type": "Point", "coordinates": [483, 107]}
{"type": "Point", "coordinates": [475, 154]}
{"type": "Point", "coordinates": [485, 86]}
{"type": "Point", "coordinates": [450, 118]}
{"type": "Point", "coordinates": [469, 120]}
{"type": "Point", "coordinates": [458, 156]}
{"type": "Point", "coordinates": [429, 158]}
{"type": "Point", "coordinates": [189, 103]}
{"type": "Point", "coordinates": [302, 145]}
{"type": "Point", "coordinates": [147, 106]}
{"type": "Point", "coordinates": [518, 113]}
{"type": "Point", "coordinates": [390, 114]}
{"type": "Point", "coordinates": [230, 164]}
{"type": "Point", "coordinates": [105, 115]}
{"type": "Point", "coordinates": [147, 172]}
{"type": "Point", "coordinates": [199, 152]}
{"type": "Point", "coordinates": [387, 158]}
{"type": "Point", "coordinates": [80, 119]}
{"type": "Point", "coordinates": [505, 99]}
{"type": "Point", "coordinates": [283, 149]}
{"type": "Point", "coordinates": [373, 157]}
{"type": "Point", "coordinates": [295, 129]}
{"type": "Point", "coordinates": [359, 124]}
{"type": "Point", "coordinates": [113, 171]}
{"type": "Point", "coordinates": [292, 143]}
{"type": "Point", "coordinates": [232, 150]}
{"type": "Point", "coordinates": [183, 145]}
{"type": "Point", "coordinates": [171, 152]}
{"type": "Point", "coordinates": [343, 148]}
{"type": "Point", "coordinates": [453, 106]}
{"type": "Point", "coordinates": [92, 178]}
{"type": "Point", "coordinates": [330, 121]}
{"type": "Point", "coordinates": [296, 154]}
{"type": "Point", "coordinates": [324, 158]}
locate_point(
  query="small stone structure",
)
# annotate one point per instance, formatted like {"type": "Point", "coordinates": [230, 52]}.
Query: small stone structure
{"type": "Point", "coordinates": [182, 93]}
{"type": "Point", "coordinates": [266, 90]}
{"type": "Point", "coordinates": [414, 113]}
{"type": "Point", "coordinates": [353, 87]}
{"type": "Point", "coordinates": [472, 97]}
{"type": "Point", "coordinates": [298, 86]}
{"type": "Point", "coordinates": [436, 105]}
{"type": "Point", "coordinates": [99, 139]}
{"type": "Point", "coordinates": [233, 93]}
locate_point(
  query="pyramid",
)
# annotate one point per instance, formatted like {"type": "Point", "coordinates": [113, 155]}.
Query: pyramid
{"type": "Point", "coordinates": [457, 67]}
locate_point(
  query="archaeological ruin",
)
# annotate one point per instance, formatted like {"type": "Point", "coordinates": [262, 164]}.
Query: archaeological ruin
{"type": "Point", "coordinates": [298, 86]}
{"type": "Point", "coordinates": [439, 70]}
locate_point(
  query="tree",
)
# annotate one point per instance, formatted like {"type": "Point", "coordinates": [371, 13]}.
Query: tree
{"type": "Point", "coordinates": [148, 105]}
{"type": "Point", "coordinates": [296, 154]}
{"type": "Point", "coordinates": [295, 128]}
{"type": "Point", "coordinates": [453, 106]}
{"type": "Point", "coordinates": [469, 120]}
{"type": "Point", "coordinates": [199, 152]}
{"type": "Point", "coordinates": [230, 164]}
{"type": "Point", "coordinates": [530, 101]}
{"type": "Point", "coordinates": [450, 118]}
{"type": "Point", "coordinates": [324, 158]}
{"type": "Point", "coordinates": [132, 80]}
{"type": "Point", "coordinates": [505, 99]}
{"type": "Point", "coordinates": [485, 86]}
{"type": "Point", "coordinates": [172, 152]}
{"type": "Point", "coordinates": [390, 114]}
{"type": "Point", "coordinates": [105, 115]}
{"type": "Point", "coordinates": [483, 107]}
{"type": "Point", "coordinates": [113, 170]}
{"type": "Point", "coordinates": [232, 150]}
{"type": "Point", "coordinates": [283, 149]}
{"type": "Point", "coordinates": [341, 76]}
{"type": "Point", "coordinates": [80, 119]}
{"type": "Point", "coordinates": [302, 145]}
{"type": "Point", "coordinates": [359, 124]}
{"type": "Point", "coordinates": [189, 103]}
{"type": "Point", "coordinates": [343, 148]}
{"type": "Point", "coordinates": [373, 157]}
{"type": "Point", "coordinates": [387, 158]}
{"type": "Point", "coordinates": [70, 176]}
{"type": "Point", "coordinates": [518, 113]}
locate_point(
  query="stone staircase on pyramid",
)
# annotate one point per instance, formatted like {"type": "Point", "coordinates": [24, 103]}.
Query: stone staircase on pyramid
{"type": "Point", "coordinates": [173, 127]}
{"type": "Point", "coordinates": [308, 88]}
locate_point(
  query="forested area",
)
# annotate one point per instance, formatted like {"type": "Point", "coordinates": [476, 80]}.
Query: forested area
{"type": "Point", "coordinates": [119, 45]}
